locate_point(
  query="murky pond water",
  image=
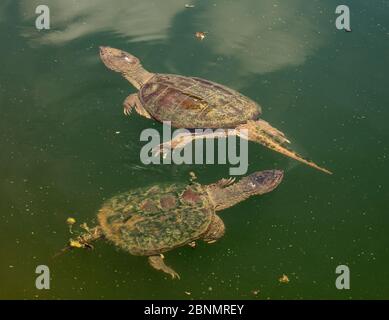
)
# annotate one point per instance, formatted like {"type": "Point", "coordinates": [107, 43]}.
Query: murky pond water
{"type": "Point", "coordinates": [66, 146]}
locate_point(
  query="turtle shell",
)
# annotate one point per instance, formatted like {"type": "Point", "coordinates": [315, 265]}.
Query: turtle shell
{"type": "Point", "coordinates": [149, 221]}
{"type": "Point", "coordinates": [196, 103]}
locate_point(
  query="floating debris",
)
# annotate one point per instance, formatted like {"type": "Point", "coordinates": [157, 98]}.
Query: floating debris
{"type": "Point", "coordinates": [75, 244]}
{"type": "Point", "coordinates": [200, 35]}
{"type": "Point", "coordinates": [189, 6]}
{"type": "Point", "coordinates": [255, 292]}
{"type": "Point", "coordinates": [70, 221]}
{"type": "Point", "coordinates": [188, 293]}
{"type": "Point", "coordinates": [284, 279]}
{"type": "Point", "coordinates": [192, 176]}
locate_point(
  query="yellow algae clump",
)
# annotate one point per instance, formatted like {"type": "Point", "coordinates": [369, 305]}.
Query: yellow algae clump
{"type": "Point", "coordinates": [70, 221]}
{"type": "Point", "coordinates": [75, 244]}
{"type": "Point", "coordinates": [284, 279]}
{"type": "Point", "coordinates": [200, 35]}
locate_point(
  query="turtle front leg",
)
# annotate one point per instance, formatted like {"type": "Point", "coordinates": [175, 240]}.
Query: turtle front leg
{"type": "Point", "coordinates": [181, 140]}
{"type": "Point", "coordinates": [157, 263]}
{"type": "Point", "coordinates": [133, 101]}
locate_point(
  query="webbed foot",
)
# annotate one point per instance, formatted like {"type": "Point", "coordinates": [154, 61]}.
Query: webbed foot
{"type": "Point", "coordinates": [128, 105]}
{"type": "Point", "coordinates": [157, 263]}
{"type": "Point", "coordinates": [132, 101]}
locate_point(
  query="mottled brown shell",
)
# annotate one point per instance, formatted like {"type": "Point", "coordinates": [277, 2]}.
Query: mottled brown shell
{"type": "Point", "coordinates": [196, 103]}
{"type": "Point", "coordinates": [157, 219]}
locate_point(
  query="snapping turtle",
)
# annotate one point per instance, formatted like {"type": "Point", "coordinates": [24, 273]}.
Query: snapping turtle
{"type": "Point", "coordinates": [151, 221]}
{"type": "Point", "coordinates": [189, 102]}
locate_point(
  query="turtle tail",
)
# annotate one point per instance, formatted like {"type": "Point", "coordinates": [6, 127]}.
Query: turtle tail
{"type": "Point", "coordinates": [262, 132]}
{"type": "Point", "coordinates": [83, 241]}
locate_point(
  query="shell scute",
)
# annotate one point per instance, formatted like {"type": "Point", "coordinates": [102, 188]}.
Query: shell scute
{"type": "Point", "coordinates": [168, 202]}
{"type": "Point", "coordinates": [148, 205]}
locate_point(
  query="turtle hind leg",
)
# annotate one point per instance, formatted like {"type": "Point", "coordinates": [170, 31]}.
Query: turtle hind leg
{"type": "Point", "coordinates": [215, 230]}
{"type": "Point", "coordinates": [270, 130]}
{"type": "Point", "coordinates": [132, 101]}
{"type": "Point", "coordinates": [158, 264]}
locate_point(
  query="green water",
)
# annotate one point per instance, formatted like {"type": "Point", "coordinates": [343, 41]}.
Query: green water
{"type": "Point", "coordinates": [61, 156]}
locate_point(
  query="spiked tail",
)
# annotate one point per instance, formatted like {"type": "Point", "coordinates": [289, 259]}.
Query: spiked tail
{"type": "Point", "coordinates": [262, 132]}
{"type": "Point", "coordinates": [82, 241]}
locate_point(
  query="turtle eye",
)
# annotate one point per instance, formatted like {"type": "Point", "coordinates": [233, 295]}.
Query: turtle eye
{"type": "Point", "coordinates": [129, 59]}
{"type": "Point", "coordinates": [258, 179]}
{"type": "Point", "coordinates": [125, 56]}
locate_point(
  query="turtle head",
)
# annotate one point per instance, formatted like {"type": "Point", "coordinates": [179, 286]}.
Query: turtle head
{"type": "Point", "coordinates": [119, 61]}
{"type": "Point", "coordinates": [261, 182]}
{"type": "Point", "coordinates": [258, 183]}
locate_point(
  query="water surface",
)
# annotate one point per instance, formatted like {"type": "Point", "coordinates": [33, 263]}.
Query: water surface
{"type": "Point", "coordinates": [61, 154]}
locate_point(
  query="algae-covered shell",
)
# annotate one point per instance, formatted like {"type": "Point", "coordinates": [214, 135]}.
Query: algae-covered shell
{"type": "Point", "coordinates": [149, 221]}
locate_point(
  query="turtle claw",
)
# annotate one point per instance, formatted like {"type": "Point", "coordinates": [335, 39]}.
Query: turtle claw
{"type": "Point", "coordinates": [192, 244]}
{"type": "Point", "coordinates": [127, 110]}
{"type": "Point", "coordinates": [174, 275]}
{"type": "Point", "coordinates": [157, 263]}
{"type": "Point", "coordinates": [223, 183]}
{"type": "Point", "coordinates": [89, 246]}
